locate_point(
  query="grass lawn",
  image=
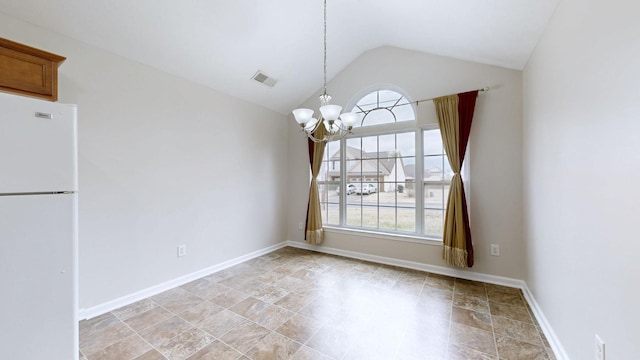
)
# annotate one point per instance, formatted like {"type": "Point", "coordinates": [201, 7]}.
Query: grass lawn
{"type": "Point", "coordinates": [369, 211]}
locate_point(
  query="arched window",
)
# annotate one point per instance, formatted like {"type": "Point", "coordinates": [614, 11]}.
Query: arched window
{"type": "Point", "coordinates": [383, 107]}
{"type": "Point", "coordinates": [395, 172]}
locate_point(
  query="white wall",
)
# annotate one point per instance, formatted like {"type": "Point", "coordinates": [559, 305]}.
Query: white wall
{"type": "Point", "coordinates": [495, 153]}
{"type": "Point", "coordinates": [162, 162]}
{"type": "Point", "coordinates": [581, 174]}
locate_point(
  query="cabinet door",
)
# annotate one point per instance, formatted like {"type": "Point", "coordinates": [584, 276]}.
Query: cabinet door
{"type": "Point", "coordinates": [28, 71]}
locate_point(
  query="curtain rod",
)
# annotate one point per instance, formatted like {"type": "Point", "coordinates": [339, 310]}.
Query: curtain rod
{"type": "Point", "coordinates": [486, 88]}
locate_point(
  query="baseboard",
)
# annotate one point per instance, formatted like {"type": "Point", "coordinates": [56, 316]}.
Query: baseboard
{"type": "Point", "coordinates": [556, 346]}
{"type": "Point", "coordinates": [552, 338]}
{"type": "Point", "coordinates": [442, 270]}
{"type": "Point", "coordinates": [104, 308]}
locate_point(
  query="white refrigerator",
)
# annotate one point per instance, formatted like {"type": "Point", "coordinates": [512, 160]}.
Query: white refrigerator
{"type": "Point", "coordinates": [38, 229]}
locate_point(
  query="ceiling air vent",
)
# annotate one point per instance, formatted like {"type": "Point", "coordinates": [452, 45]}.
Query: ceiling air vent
{"type": "Point", "coordinates": [264, 79]}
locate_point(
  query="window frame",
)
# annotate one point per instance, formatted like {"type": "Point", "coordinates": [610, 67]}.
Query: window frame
{"type": "Point", "coordinates": [380, 130]}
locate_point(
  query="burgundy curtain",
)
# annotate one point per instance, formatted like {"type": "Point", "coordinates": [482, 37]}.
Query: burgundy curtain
{"type": "Point", "coordinates": [466, 107]}
{"type": "Point", "coordinates": [312, 150]}
{"type": "Point", "coordinates": [314, 234]}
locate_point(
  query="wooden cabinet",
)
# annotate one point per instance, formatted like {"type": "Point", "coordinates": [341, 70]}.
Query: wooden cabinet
{"type": "Point", "coordinates": [28, 71]}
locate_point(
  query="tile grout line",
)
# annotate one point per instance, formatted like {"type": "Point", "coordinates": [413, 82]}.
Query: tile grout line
{"type": "Point", "coordinates": [287, 260]}
{"type": "Point", "coordinates": [176, 315]}
{"type": "Point", "coordinates": [453, 294]}
{"type": "Point", "coordinates": [168, 340]}
{"type": "Point", "coordinates": [493, 328]}
{"type": "Point", "coordinates": [138, 334]}
{"type": "Point", "coordinates": [246, 319]}
{"type": "Point", "coordinates": [153, 346]}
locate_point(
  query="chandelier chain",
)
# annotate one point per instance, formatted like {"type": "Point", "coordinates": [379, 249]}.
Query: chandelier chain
{"type": "Point", "coordinates": [337, 125]}
{"type": "Point", "coordinates": [325, 47]}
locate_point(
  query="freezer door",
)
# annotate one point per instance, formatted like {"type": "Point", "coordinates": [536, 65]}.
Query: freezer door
{"type": "Point", "coordinates": [38, 267]}
{"type": "Point", "coordinates": [37, 145]}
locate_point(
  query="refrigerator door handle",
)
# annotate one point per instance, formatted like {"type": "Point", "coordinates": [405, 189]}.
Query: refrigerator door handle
{"type": "Point", "coordinates": [44, 115]}
{"type": "Point", "coordinates": [38, 193]}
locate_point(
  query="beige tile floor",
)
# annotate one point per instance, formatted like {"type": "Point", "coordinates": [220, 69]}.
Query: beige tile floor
{"type": "Point", "coordinates": [298, 304]}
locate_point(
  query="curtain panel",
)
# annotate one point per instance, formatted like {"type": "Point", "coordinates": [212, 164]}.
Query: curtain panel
{"type": "Point", "coordinates": [313, 229]}
{"type": "Point", "coordinates": [455, 114]}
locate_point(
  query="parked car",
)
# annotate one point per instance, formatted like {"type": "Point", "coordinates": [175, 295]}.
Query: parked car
{"type": "Point", "coordinates": [350, 189]}
{"type": "Point", "coordinates": [366, 189]}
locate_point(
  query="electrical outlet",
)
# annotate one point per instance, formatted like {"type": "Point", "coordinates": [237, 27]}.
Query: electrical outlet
{"type": "Point", "coordinates": [599, 348]}
{"type": "Point", "coordinates": [182, 250]}
{"type": "Point", "coordinates": [495, 249]}
{"type": "Point", "coordinates": [300, 225]}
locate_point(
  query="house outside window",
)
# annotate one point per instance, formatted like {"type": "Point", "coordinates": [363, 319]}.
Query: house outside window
{"type": "Point", "coordinates": [378, 164]}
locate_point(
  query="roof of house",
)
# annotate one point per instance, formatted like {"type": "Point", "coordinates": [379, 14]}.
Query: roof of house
{"type": "Point", "coordinates": [432, 174]}
{"type": "Point", "coordinates": [368, 163]}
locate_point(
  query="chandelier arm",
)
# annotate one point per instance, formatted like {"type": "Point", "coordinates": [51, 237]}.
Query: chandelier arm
{"type": "Point", "coordinates": [341, 132]}
{"type": "Point", "coordinates": [311, 132]}
{"type": "Point", "coordinates": [315, 139]}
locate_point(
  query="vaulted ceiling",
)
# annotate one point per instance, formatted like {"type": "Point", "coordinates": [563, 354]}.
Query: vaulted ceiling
{"type": "Point", "coordinates": [221, 44]}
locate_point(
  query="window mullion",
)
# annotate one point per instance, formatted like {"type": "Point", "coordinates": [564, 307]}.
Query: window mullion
{"type": "Point", "coordinates": [419, 181]}
{"type": "Point", "coordinates": [361, 182]}
{"type": "Point", "coordinates": [395, 179]}
{"type": "Point", "coordinates": [343, 182]}
{"type": "Point", "coordinates": [391, 208]}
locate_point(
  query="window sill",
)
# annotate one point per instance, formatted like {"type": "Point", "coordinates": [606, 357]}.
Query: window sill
{"type": "Point", "coordinates": [383, 235]}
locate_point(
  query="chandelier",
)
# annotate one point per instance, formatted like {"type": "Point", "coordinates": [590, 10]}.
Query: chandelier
{"type": "Point", "coordinates": [336, 125]}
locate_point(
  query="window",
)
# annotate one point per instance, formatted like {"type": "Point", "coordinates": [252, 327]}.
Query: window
{"type": "Point", "coordinates": [329, 184]}
{"type": "Point", "coordinates": [379, 161]}
{"type": "Point", "coordinates": [436, 180]}
{"type": "Point", "coordinates": [383, 107]}
{"type": "Point", "coordinates": [379, 165]}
